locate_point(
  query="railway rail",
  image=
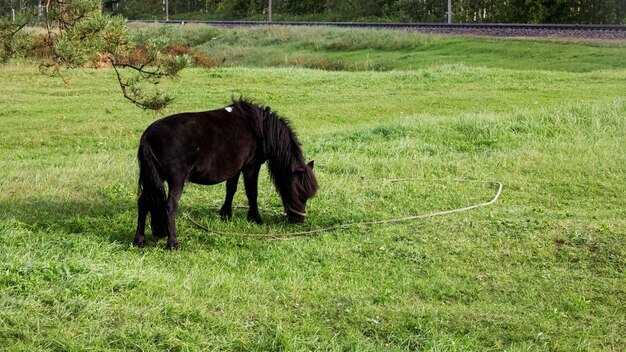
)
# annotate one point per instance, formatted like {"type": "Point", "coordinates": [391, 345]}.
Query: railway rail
{"type": "Point", "coordinates": [588, 31]}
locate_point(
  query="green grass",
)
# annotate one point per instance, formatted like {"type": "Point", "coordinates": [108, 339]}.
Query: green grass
{"type": "Point", "coordinates": [352, 49]}
{"type": "Point", "coordinates": [542, 269]}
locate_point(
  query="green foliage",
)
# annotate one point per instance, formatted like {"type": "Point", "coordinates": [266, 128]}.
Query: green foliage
{"type": "Point", "coordinates": [79, 34]}
{"type": "Point", "coordinates": [86, 35]}
{"type": "Point", "coordinates": [140, 89]}
{"type": "Point", "coordinates": [12, 39]}
{"type": "Point", "coordinates": [189, 34]}
{"type": "Point", "coordinates": [489, 11]}
{"type": "Point", "coordinates": [93, 35]}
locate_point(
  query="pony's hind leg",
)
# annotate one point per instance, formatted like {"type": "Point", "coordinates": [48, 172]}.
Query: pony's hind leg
{"type": "Point", "coordinates": [175, 191]}
{"type": "Point", "coordinates": [226, 211]}
{"type": "Point", "coordinates": [158, 217]}
{"type": "Point", "coordinates": [142, 212]}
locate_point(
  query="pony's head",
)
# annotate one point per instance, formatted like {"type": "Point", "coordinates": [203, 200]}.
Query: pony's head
{"type": "Point", "coordinates": [303, 187]}
{"type": "Point", "coordinates": [293, 178]}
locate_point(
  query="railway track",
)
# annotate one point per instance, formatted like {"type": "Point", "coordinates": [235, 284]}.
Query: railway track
{"type": "Point", "coordinates": [582, 31]}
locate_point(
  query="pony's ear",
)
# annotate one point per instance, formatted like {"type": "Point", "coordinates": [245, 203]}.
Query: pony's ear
{"type": "Point", "coordinates": [311, 164]}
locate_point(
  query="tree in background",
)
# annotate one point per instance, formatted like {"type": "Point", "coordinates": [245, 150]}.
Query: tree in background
{"type": "Point", "coordinates": [78, 34]}
{"type": "Point", "coordinates": [140, 9]}
{"type": "Point", "coordinates": [419, 10]}
{"type": "Point", "coordinates": [496, 11]}
{"type": "Point", "coordinates": [11, 38]}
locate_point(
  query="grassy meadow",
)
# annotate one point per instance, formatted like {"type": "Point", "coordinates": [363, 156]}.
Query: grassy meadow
{"type": "Point", "coordinates": [541, 269]}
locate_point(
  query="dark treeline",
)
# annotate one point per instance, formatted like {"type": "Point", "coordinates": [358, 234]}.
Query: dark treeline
{"type": "Point", "coordinates": [464, 11]}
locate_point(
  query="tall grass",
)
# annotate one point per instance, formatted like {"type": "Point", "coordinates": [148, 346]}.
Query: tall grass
{"type": "Point", "coordinates": [190, 34]}
{"type": "Point", "coordinates": [360, 49]}
{"type": "Point", "coordinates": [315, 37]}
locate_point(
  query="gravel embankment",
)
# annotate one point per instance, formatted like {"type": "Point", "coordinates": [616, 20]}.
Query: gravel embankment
{"type": "Point", "coordinates": [528, 32]}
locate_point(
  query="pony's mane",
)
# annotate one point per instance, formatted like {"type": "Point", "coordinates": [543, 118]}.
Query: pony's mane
{"type": "Point", "coordinates": [281, 148]}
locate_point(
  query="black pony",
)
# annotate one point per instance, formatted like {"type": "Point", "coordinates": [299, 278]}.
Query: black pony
{"type": "Point", "coordinates": [215, 146]}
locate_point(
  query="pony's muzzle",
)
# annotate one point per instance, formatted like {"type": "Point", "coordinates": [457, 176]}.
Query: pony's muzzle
{"type": "Point", "coordinates": [295, 216]}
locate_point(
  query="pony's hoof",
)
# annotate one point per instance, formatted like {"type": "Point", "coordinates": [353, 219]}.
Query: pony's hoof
{"type": "Point", "coordinates": [256, 219]}
{"type": "Point", "coordinates": [140, 244]}
{"type": "Point", "coordinates": [173, 246]}
{"type": "Point", "coordinates": [226, 214]}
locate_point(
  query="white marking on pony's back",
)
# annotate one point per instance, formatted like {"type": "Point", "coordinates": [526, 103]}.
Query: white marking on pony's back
{"type": "Point", "coordinates": [229, 108]}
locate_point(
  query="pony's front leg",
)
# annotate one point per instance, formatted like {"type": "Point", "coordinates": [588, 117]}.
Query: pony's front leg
{"type": "Point", "coordinates": [176, 190]}
{"type": "Point", "coordinates": [226, 211]}
{"type": "Point", "coordinates": [251, 178]}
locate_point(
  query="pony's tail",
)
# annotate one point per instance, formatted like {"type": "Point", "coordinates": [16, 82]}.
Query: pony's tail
{"type": "Point", "coordinates": [151, 189]}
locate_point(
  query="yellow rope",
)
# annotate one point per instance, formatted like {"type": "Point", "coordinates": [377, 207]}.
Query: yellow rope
{"type": "Point", "coordinates": [292, 235]}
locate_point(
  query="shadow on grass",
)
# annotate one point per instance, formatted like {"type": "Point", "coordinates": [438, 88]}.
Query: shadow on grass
{"type": "Point", "coordinates": [115, 221]}
{"type": "Point", "coordinates": [112, 221]}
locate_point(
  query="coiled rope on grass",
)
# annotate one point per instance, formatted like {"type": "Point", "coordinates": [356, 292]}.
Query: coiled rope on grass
{"type": "Point", "coordinates": [293, 235]}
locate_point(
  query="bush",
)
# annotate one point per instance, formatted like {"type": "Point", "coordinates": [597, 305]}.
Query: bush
{"type": "Point", "coordinates": [188, 34]}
